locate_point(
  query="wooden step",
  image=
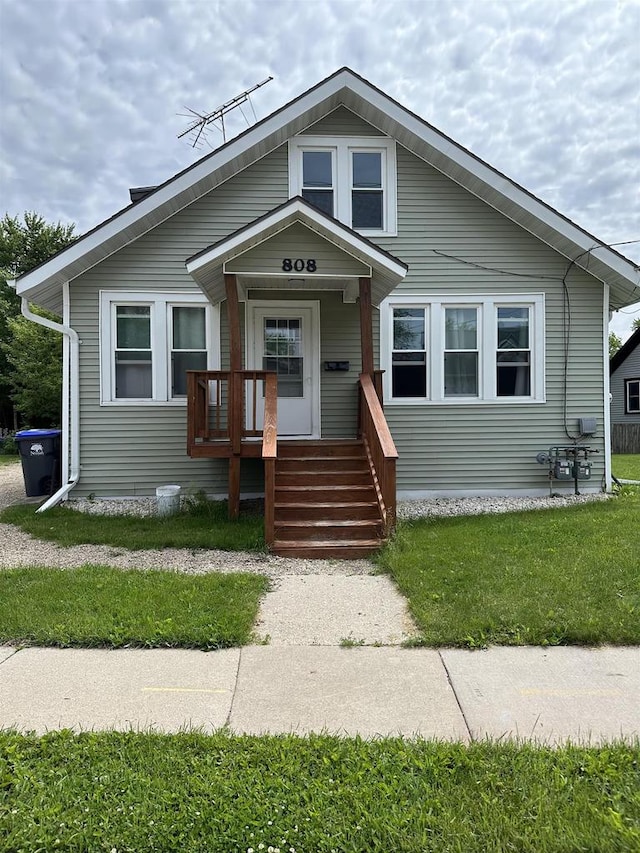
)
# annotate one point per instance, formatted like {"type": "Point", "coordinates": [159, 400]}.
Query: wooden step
{"type": "Point", "coordinates": [323, 448]}
{"type": "Point", "coordinates": [314, 464]}
{"type": "Point", "coordinates": [323, 494]}
{"type": "Point", "coordinates": [326, 510]}
{"type": "Point", "coordinates": [327, 549]}
{"type": "Point", "coordinates": [343, 477]}
{"type": "Point", "coordinates": [332, 529]}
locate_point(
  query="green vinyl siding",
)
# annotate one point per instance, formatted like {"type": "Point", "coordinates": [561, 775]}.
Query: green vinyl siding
{"type": "Point", "coordinates": [446, 236]}
{"type": "Point", "coordinates": [297, 243]}
{"type": "Point", "coordinates": [480, 447]}
{"type": "Point", "coordinates": [132, 449]}
{"type": "Point", "coordinates": [342, 122]}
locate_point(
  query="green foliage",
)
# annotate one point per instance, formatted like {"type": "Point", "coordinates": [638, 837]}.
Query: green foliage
{"type": "Point", "coordinates": [614, 344]}
{"type": "Point", "coordinates": [9, 446]}
{"type": "Point", "coordinates": [626, 466]}
{"type": "Point", "coordinates": [636, 324]}
{"type": "Point", "coordinates": [547, 577]}
{"type": "Point", "coordinates": [204, 524]}
{"type": "Point", "coordinates": [23, 246]}
{"type": "Point", "coordinates": [98, 606]}
{"type": "Point", "coordinates": [220, 793]}
{"type": "Point", "coordinates": [34, 357]}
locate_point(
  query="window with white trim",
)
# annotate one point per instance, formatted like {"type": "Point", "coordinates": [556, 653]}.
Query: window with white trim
{"type": "Point", "coordinates": [450, 350]}
{"type": "Point", "coordinates": [632, 396]}
{"type": "Point", "coordinates": [149, 340]}
{"type": "Point", "coordinates": [351, 179]}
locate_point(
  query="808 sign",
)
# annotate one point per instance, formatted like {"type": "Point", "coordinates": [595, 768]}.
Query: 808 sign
{"type": "Point", "coordinates": [299, 265]}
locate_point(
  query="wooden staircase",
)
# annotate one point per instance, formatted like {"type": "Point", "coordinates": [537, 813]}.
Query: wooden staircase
{"type": "Point", "coordinates": [326, 503]}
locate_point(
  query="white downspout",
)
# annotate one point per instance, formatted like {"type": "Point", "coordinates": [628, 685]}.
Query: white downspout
{"type": "Point", "coordinates": [70, 397]}
{"type": "Point", "coordinates": [606, 313]}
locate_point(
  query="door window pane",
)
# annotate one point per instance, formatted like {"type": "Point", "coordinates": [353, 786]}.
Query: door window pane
{"type": "Point", "coordinates": [282, 354]}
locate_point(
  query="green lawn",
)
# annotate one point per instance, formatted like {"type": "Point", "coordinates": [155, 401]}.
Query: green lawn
{"type": "Point", "coordinates": [555, 576]}
{"type": "Point", "coordinates": [626, 466]}
{"type": "Point", "coordinates": [99, 606]}
{"type": "Point", "coordinates": [204, 524]}
{"type": "Point", "coordinates": [223, 794]}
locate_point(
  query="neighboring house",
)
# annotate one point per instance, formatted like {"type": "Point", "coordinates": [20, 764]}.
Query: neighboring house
{"type": "Point", "coordinates": [625, 396]}
{"type": "Point", "coordinates": [340, 237]}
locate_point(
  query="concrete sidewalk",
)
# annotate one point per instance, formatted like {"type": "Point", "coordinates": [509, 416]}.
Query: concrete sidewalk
{"type": "Point", "coordinates": [547, 695]}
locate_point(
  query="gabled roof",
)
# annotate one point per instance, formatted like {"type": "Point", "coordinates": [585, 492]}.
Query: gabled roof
{"type": "Point", "coordinates": [625, 351]}
{"type": "Point", "coordinates": [207, 266]}
{"type": "Point", "coordinates": [43, 284]}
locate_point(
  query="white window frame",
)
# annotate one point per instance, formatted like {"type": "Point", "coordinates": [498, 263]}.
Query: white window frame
{"type": "Point", "coordinates": [627, 396]}
{"type": "Point", "coordinates": [161, 304]}
{"type": "Point", "coordinates": [342, 148]}
{"type": "Point", "coordinates": [487, 306]}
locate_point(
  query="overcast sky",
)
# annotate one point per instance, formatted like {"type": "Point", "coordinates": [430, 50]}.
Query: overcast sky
{"type": "Point", "coordinates": [547, 91]}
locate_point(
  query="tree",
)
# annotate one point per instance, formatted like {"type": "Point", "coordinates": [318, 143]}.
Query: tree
{"type": "Point", "coordinates": [636, 324]}
{"type": "Point", "coordinates": [30, 355]}
{"type": "Point", "coordinates": [614, 344]}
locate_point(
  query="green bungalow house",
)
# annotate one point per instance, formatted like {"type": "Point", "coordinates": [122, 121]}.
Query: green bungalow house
{"type": "Point", "coordinates": [339, 307]}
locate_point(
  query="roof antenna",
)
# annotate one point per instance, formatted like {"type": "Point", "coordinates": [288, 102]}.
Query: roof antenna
{"type": "Point", "coordinates": [197, 130]}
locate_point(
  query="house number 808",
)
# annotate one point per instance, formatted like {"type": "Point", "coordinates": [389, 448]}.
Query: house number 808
{"type": "Point", "coordinates": [299, 265]}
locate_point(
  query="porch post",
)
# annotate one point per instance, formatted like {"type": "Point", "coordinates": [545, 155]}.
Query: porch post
{"type": "Point", "coordinates": [233, 319]}
{"type": "Point", "coordinates": [236, 389]}
{"type": "Point", "coordinates": [366, 329]}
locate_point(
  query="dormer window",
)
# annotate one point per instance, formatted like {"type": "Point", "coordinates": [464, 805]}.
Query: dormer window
{"type": "Point", "coordinates": [353, 180]}
{"type": "Point", "coordinates": [317, 179]}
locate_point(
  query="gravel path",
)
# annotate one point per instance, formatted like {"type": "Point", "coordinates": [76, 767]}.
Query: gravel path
{"type": "Point", "coordinates": [20, 549]}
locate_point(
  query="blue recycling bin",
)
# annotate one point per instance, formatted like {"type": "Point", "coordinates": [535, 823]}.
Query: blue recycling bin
{"type": "Point", "coordinates": [40, 455]}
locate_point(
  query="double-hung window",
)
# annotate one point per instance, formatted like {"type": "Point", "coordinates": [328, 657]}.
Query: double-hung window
{"type": "Point", "coordinates": [409, 355]}
{"type": "Point", "coordinates": [454, 350]}
{"type": "Point", "coordinates": [149, 340]}
{"type": "Point", "coordinates": [318, 170]}
{"type": "Point", "coordinates": [632, 396]}
{"type": "Point", "coordinates": [351, 179]}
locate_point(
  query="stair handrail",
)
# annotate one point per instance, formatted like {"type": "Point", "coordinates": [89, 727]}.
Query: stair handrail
{"type": "Point", "coordinates": [381, 450]}
{"type": "Point", "coordinates": [270, 454]}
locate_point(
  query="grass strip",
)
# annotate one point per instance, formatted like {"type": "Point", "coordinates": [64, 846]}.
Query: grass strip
{"type": "Point", "coordinates": [98, 606]}
{"type": "Point", "coordinates": [224, 794]}
{"type": "Point", "coordinates": [557, 576]}
{"type": "Point", "coordinates": [626, 466]}
{"type": "Point", "coordinates": [203, 524]}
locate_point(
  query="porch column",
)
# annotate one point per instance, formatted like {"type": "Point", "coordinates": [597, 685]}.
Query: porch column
{"type": "Point", "coordinates": [236, 389]}
{"type": "Point", "coordinates": [366, 328]}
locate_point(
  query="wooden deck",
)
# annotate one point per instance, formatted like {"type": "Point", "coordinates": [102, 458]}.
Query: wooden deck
{"type": "Point", "coordinates": [323, 498]}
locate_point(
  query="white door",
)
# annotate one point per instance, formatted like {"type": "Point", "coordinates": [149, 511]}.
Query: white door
{"type": "Point", "coordinates": [284, 338]}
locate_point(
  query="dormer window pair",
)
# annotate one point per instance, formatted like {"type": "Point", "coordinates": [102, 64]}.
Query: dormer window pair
{"type": "Point", "coordinates": [353, 180]}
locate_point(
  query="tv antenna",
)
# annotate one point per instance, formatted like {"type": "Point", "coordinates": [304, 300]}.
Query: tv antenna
{"type": "Point", "coordinates": [197, 131]}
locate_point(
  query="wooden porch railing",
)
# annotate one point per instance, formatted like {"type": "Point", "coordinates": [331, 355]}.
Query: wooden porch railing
{"type": "Point", "coordinates": [380, 448]}
{"type": "Point", "coordinates": [222, 406]}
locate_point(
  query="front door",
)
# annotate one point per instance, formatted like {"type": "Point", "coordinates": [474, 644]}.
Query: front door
{"type": "Point", "coordinates": [283, 337]}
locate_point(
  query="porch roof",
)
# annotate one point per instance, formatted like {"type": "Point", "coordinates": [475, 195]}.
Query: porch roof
{"type": "Point", "coordinates": [360, 256]}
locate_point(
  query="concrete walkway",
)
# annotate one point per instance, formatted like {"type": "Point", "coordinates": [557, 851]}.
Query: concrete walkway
{"type": "Point", "coordinates": [545, 695]}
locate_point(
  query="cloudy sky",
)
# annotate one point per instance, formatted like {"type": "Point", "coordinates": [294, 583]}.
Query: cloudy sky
{"type": "Point", "coordinates": [547, 91]}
